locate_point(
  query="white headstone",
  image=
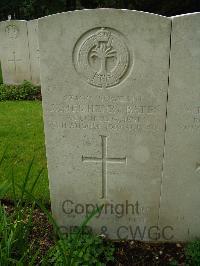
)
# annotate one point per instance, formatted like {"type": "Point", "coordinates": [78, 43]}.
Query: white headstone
{"type": "Point", "coordinates": [104, 76]}
{"type": "Point", "coordinates": [14, 53]}
{"type": "Point", "coordinates": [34, 51]}
{"type": "Point", "coordinates": [180, 196]}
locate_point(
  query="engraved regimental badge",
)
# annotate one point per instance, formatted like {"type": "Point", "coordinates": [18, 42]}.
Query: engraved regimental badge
{"type": "Point", "coordinates": [101, 57]}
{"type": "Point", "coordinates": [12, 31]}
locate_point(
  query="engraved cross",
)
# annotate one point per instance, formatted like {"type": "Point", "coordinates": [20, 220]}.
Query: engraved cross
{"type": "Point", "coordinates": [104, 160]}
{"type": "Point", "coordinates": [14, 60]}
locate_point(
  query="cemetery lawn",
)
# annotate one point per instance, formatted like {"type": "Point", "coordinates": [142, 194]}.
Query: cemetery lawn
{"type": "Point", "coordinates": [21, 134]}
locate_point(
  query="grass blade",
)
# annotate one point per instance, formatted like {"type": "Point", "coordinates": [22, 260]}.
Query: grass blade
{"type": "Point", "coordinates": [36, 180]}
{"type": "Point", "coordinates": [4, 187]}
{"type": "Point", "coordinates": [23, 188]}
{"type": "Point", "coordinates": [51, 220]}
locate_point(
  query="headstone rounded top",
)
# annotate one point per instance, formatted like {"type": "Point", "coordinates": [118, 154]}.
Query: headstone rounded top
{"type": "Point", "coordinates": [104, 11]}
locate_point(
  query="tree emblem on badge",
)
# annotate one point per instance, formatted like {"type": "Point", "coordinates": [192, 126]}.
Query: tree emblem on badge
{"type": "Point", "coordinates": [102, 58]}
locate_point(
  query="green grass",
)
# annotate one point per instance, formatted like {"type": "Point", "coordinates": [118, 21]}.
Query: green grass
{"type": "Point", "coordinates": [1, 77]}
{"type": "Point", "coordinates": [193, 253]}
{"type": "Point", "coordinates": [19, 246]}
{"type": "Point", "coordinates": [21, 132]}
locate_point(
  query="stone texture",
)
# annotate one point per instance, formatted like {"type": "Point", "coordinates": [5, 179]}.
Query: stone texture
{"type": "Point", "coordinates": [180, 201]}
{"type": "Point", "coordinates": [104, 76]}
{"type": "Point", "coordinates": [14, 51]}
{"type": "Point", "coordinates": [34, 51]}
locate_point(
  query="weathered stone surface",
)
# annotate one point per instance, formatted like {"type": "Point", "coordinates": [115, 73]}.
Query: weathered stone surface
{"type": "Point", "coordinates": [180, 200]}
{"type": "Point", "coordinates": [14, 51]}
{"type": "Point", "coordinates": [34, 50]}
{"type": "Point", "coordinates": [104, 76]}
